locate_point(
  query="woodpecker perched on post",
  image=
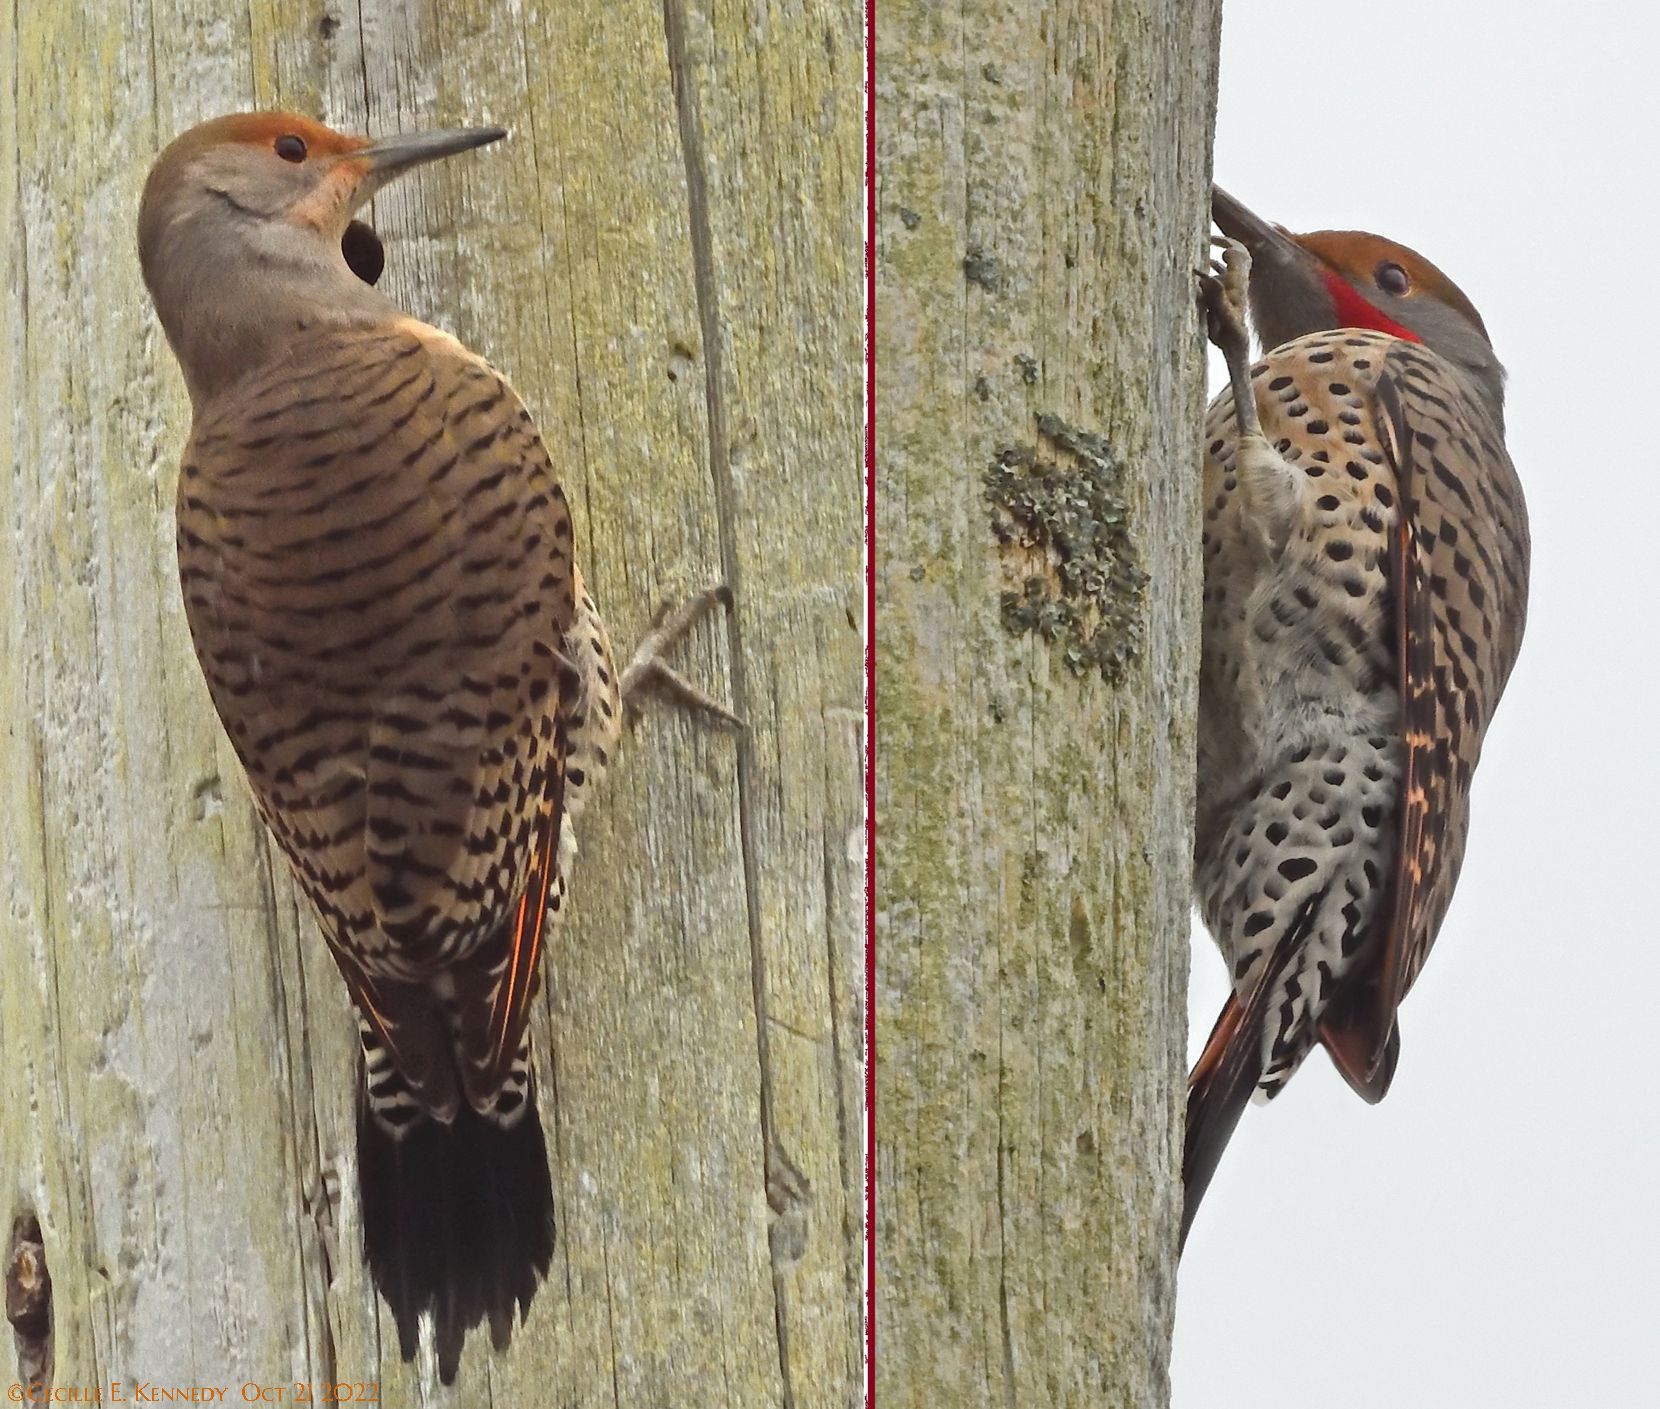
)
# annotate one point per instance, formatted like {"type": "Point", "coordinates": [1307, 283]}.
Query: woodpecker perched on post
{"type": "Point", "coordinates": [1366, 569]}
{"type": "Point", "coordinates": [377, 565]}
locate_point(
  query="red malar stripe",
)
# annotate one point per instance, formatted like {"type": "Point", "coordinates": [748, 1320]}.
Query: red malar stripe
{"type": "Point", "coordinates": [1354, 312]}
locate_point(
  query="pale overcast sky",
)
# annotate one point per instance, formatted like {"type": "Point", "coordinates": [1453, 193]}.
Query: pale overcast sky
{"type": "Point", "coordinates": [1490, 1234]}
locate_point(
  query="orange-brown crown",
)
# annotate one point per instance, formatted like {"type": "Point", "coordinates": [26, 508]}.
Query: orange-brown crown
{"type": "Point", "coordinates": [263, 130]}
{"type": "Point", "coordinates": [1357, 256]}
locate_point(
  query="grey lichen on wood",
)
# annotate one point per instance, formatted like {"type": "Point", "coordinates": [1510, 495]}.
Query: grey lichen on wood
{"type": "Point", "coordinates": [1042, 179]}
{"type": "Point", "coordinates": [665, 259]}
{"type": "Point", "coordinates": [1063, 527]}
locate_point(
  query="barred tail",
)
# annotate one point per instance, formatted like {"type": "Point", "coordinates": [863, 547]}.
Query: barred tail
{"type": "Point", "coordinates": [458, 1217]}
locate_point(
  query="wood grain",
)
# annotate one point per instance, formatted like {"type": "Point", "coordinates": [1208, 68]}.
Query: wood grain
{"type": "Point", "coordinates": [1042, 186]}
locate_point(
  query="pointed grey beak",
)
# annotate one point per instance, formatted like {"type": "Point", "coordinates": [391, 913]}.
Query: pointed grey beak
{"type": "Point", "coordinates": [391, 156]}
{"type": "Point", "coordinates": [1268, 243]}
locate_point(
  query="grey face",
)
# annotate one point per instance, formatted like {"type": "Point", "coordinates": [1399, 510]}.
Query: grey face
{"type": "Point", "coordinates": [1306, 284]}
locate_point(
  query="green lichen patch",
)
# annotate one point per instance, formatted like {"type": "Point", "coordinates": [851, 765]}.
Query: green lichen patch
{"type": "Point", "coordinates": [1062, 521]}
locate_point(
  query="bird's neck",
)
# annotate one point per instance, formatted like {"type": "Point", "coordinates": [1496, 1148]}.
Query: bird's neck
{"type": "Point", "coordinates": [227, 320]}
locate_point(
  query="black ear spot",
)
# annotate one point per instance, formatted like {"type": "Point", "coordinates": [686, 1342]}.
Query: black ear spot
{"type": "Point", "coordinates": [365, 255]}
{"type": "Point", "coordinates": [1391, 278]}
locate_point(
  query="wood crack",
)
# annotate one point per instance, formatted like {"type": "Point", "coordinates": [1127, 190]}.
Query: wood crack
{"type": "Point", "coordinates": [707, 289]}
{"type": "Point", "coordinates": [29, 1304]}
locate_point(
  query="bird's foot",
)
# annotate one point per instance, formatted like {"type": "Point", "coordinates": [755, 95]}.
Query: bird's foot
{"type": "Point", "coordinates": [648, 673]}
{"type": "Point", "coordinates": [1222, 295]}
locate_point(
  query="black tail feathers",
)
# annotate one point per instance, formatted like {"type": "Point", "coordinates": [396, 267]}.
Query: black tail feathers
{"type": "Point", "coordinates": [1217, 1093]}
{"type": "Point", "coordinates": [458, 1221]}
{"type": "Point", "coordinates": [1222, 1080]}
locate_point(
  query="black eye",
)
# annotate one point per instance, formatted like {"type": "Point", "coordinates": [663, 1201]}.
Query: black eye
{"type": "Point", "coordinates": [291, 148]}
{"type": "Point", "coordinates": [1391, 278]}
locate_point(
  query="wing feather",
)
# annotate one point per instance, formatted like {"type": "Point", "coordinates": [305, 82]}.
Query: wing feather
{"type": "Point", "coordinates": [1458, 565]}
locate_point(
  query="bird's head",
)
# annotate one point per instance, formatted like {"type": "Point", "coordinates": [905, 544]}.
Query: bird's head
{"type": "Point", "coordinates": [244, 211]}
{"type": "Point", "coordinates": [1352, 279]}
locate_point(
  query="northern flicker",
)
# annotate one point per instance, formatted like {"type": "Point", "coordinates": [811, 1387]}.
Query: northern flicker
{"type": "Point", "coordinates": [1365, 588]}
{"type": "Point", "coordinates": [377, 566]}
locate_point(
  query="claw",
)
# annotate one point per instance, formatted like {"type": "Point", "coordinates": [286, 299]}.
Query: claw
{"type": "Point", "coordinates": [1236, 271]}
{"type": "Point", "coordinates": [648, 673]}
{"type": "Point", "coordinates": [1223, 293]}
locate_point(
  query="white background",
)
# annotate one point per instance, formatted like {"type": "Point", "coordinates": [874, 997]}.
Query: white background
{"type": "Point", "coordinates": [1490, 1234]}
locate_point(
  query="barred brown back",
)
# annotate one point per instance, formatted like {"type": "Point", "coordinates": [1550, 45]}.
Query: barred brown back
{"type": "Point", "coordinates": [377, 567]}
